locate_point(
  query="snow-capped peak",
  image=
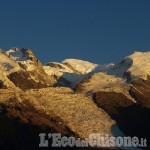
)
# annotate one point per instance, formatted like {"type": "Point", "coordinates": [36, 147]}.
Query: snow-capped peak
{"type": "Point", "coordinates": [81, 66]}
{"type": "Point", "coordinates": [136, 65]}
{"type": "Point", "coordinates": [141, 64]}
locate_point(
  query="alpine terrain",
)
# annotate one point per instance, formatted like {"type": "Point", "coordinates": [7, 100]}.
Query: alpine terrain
{"type": "Point", "coordinates": [73, 97]}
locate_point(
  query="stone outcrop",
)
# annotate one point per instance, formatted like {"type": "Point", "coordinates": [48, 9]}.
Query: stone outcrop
{"type": "Point", "coordinates": [31, 73]}
{"type": "Point", "coordinates": [141, 92]}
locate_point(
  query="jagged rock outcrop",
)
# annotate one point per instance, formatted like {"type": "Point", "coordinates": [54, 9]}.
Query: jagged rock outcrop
{"type": "Point", "coordinates": [141, 91]}
{"type": "Point", "coordinates": [24, 70]}
{"type": "Point", "coordinates": [27, 60]}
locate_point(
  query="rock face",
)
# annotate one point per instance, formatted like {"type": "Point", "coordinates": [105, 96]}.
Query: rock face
{"type": "Point", "coordinates": [111, 102]}
{"type": "Point", "coordinates": [33, 66]}
{"type": "Point", "coordinates": [21, 121]}
{"type": "Point", "coordinates": [2, 84]}
{"type": "Point", "coordinates": [26, 114]}
{"type": "Point", "coordinates": [21, 68]}
{"type": "Point", "coordinates": [141, 91]}
{"type": "Point", "coordinates": [23, 80]}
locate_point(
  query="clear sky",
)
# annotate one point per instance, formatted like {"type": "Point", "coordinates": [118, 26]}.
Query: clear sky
{"type": "Point", "coordinates": [100, 31]}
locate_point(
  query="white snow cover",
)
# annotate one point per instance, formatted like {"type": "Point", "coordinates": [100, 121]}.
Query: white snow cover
{"type": "Point", "coordinates": [81, 66]}
{"type": "Point", "coordinates": [141, 64]}
{"type": "Point", "coordinates": [17, 55]}
{"type": "Point", "coordinates": [78, 71]}
{"type": "Point", "coordinates": [59, 70]}
{"type": "Point", "coordinates": [66, 73]}
{"type": "Point", "coordinates": [113, 79]}
{"type": "Point", "coordinates": [75, 70]}
{"type": "Point", "coordinates": [85, 67]}
{"type": "Point", "coordinates": [137, 64]}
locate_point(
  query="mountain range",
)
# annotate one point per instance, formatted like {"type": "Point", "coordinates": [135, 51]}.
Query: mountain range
{"type": "Point", "coordinates": [73, 97]}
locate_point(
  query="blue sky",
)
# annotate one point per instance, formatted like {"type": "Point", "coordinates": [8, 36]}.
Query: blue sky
{"type": "Point", "coordinates": [100, 31]}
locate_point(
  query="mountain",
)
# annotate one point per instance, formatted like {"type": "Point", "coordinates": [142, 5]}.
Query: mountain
{"type": "Point", "coordinates": [8, 66]}
{"type": "Point", "coordinates": [23, 69]}
{"type": "Point", "coordinates": [123, 91]}
{"type": "Point", "coordinates": [130, 77]}
{"type": "Point", "coordinates": [70, 72]}
{"type": "Point", "coordinates": [72, 97]}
